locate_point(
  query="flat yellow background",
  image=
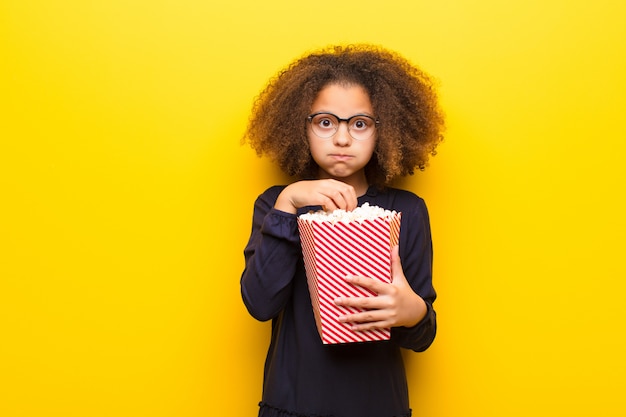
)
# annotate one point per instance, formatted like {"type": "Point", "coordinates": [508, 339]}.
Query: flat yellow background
{"type": "Point", "coordinates": [126, 201]}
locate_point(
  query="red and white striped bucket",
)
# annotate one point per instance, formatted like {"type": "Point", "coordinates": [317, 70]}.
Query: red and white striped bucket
{"type": "Point", "coordinates": [333, 250]}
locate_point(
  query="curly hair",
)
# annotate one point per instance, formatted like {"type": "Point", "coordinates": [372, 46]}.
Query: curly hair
{"type": "Point", "coordinates": [403, 98]}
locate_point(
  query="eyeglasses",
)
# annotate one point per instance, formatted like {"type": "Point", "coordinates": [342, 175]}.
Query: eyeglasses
{"type": "Point", "coordinates": [325, 125]}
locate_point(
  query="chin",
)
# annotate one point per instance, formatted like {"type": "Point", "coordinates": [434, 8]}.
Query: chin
{"type": "Point", "coordinates": [340, 175]}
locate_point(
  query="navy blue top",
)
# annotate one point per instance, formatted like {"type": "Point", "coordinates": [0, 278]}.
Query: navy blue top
{"type": "Point", "coordinates": [302, 376]}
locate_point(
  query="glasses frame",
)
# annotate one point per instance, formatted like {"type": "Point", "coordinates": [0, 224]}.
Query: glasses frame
{"type": "Point", "coordinates": [340, 120]}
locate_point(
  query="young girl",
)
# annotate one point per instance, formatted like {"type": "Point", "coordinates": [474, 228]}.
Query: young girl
{"type": "Point", "coordinates": [344, 121]}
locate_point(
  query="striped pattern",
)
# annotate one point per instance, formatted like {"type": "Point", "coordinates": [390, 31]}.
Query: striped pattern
{"type": "Point", "coordinates": [332, 251]}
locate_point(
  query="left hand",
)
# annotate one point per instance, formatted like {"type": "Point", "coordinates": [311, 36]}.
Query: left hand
{"type": "Point", "coordinates": [395, 305]}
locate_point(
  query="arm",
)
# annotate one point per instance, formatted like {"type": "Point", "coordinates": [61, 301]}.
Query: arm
{"type": "Point", "coordinates": [271, 257]}
{"type": "Point", "coordinates": [417, 264]}
{"type": "Point", "coordinates": [274, 246]}
{"type": "Point", "coordinates": [405, 305]}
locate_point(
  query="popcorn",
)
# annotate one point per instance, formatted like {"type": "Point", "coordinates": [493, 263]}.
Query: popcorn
{"type": "Point", "coordinates": [364, 212]}
{"type": "Point", "coordinates": [342, 243]}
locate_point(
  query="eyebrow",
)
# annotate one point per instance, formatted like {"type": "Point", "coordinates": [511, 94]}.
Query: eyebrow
{"type": "Point", "coordinates": [348, 118]}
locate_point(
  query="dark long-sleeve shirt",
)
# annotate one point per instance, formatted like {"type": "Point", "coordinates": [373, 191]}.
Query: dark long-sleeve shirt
{"type": "Point", "coordinates": [302, 376]}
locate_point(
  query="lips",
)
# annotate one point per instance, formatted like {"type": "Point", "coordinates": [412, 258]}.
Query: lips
{"type": "Point", "coordinates": [341, 157]}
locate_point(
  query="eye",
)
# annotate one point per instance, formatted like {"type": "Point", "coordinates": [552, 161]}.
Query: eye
{"type": "Point", "coordinates": [324, 122]}
{"type": "Point", "coordinates": [362, 123]}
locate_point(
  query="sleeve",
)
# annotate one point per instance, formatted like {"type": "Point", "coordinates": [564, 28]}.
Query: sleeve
{"type": "Point", "coordinates": [416, 256]}
{"type": "Point", "coordinates": [271, 258]}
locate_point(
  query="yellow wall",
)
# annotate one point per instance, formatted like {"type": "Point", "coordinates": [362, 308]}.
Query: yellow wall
{"type": "Point", "coordinates": [126, 201]}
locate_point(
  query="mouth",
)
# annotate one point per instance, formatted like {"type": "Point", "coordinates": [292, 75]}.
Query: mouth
{"type": "Point", "coordinates": [341, 157]}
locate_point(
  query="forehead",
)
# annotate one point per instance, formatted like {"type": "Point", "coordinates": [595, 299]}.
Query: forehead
{"type": "Point", "coordinates": [344, 100]}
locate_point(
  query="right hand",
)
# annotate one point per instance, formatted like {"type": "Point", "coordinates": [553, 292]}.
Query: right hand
{"type": "Point", "coordinates": [328, 193]}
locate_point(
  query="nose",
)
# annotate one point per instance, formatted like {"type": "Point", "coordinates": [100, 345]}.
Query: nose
{"type": "Point", "coordinates": [342, 136]}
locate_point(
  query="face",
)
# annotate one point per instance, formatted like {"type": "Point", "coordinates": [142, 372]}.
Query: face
{"type": "Point", "coordinates": [342, 157]}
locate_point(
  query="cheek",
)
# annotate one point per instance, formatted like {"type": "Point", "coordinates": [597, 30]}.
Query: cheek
{"type": "Point", "coordinates": [314, 148]}
{"type": "Point", "coordinates": [371, 148]}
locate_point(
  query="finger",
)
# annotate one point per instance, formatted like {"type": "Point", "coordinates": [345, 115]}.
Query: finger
{"type": "Point", "coordinates": [377, 325]}
{"type": "Point", "coordinates": [335, 199]}
{"type": "Point", "coordinates": [328, 203]}
{"type": "Point", "coordinates": [343, 193]}
{"type": "Point", "coordinates": [341, 197]}
{"type": "Point", "coordinates": [361, 303]}
{"type": "Point", "coordinates": [373, 316]}
{"type": "Point", "coordinates": [366, 321]}
{"type": "Point", "coordinates": [371, 284]}
{"type": "Point", "coordinates": [351, 198]}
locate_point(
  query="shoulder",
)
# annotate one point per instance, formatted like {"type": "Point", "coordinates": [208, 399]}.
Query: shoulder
{"type": "Point", "coordinates": [271, 194]}
{"type": "Point", "coordinates": [415, 224]}
{"type": "Point", "coordinates": [399, 193]}
{"type": "Point", "coordinates": [403, 200]}
{"type": "Point", "coordinates": [273, 191]}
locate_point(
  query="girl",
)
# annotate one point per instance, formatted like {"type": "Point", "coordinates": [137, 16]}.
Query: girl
{"type": "Point", "coordinates": [344, 121]}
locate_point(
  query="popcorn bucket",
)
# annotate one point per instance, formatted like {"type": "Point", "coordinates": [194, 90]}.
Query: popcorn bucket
{"type": "Point", "coordinates": [346, 243]}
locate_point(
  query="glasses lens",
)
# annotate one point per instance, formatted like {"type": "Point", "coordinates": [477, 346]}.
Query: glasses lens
{"type": "Point", "coordinates": [324, 125]}
{"type": "Point", "coordinates": [361, 127]}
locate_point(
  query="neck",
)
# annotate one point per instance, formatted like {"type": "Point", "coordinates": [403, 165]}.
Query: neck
{"type": "Point", "coordinates": [361, 189]}
{"type": "Point", "coordinates": [357, 181]}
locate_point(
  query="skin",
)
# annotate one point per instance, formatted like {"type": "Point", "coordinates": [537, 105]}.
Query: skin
{"type": "Point", "coordinates": [341, 161]}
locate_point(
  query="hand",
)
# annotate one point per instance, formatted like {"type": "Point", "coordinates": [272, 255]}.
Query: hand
{"type": "Point", "coordinates": [395, 305]}
{"type": "Point", "coordinates": [328, 193]}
